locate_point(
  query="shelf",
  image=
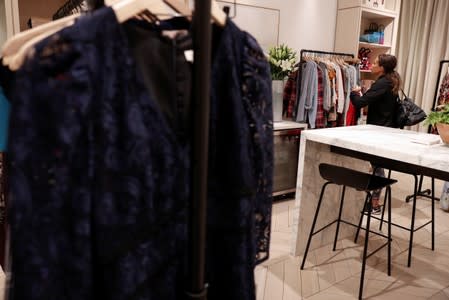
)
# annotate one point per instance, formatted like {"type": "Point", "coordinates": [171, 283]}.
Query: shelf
{"type": "Point", "coordinates": [354, 18]}
{"type": "Point", "coordinates": [374, 45]}
{"type": "Point", "coordinates": [372, 13]}
{"type": "Point", "coordinates": [282, 125]}
{"type": "Point", "coordinates": [365, 71]}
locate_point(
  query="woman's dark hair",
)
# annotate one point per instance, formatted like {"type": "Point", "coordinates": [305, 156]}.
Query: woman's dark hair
{"type": "Point", "coordinates": [389, 62]}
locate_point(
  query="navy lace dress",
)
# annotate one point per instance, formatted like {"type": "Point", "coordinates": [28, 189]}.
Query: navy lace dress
{"type": "Point", "coordinates": [100, 181]}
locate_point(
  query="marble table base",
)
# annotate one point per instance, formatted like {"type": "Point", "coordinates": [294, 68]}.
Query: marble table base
{"type": "Point", "coordinates": [308, 191]}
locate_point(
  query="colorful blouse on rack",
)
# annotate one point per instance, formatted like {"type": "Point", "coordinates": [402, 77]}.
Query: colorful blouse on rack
{"type": "Point", "coordinates": [320, 95]}
{"type": "Point", "coordinates": [100, 177]}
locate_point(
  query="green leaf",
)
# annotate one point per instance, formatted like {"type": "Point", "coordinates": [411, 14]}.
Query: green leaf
{"type": "Point", "coordinates": [439, 116]}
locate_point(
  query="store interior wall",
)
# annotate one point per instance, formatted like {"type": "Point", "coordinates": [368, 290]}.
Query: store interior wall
{"type": "Point", "coordinates": [2, 23]}
{"type": "Point", "coordinates": [33, 8]}
{"type": "Point", "coordinates": [304, 24]}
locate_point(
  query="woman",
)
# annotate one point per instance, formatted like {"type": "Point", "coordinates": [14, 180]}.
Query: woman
{"type": "Point", "coordinates": [381, 102]}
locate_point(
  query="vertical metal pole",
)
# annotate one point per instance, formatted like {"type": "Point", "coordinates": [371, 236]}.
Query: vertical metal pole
{"type": "Point", "coordinates": [435, 95]}
{"type": "Point", "coordinates": [201, 105]}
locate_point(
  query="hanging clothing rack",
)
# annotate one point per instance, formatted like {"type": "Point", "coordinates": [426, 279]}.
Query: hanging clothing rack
{"type": "Point", "coordinates": [323, 53]}
{"type": "Point", "coordinates": [202, 38]}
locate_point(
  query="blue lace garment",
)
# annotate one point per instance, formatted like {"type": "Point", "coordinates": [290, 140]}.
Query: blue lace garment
{"type": "Point", "coordinates": [100, 184]}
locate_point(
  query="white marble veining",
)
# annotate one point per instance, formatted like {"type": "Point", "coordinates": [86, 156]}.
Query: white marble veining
{"type": "Point", "coordinates": [281, 125]}
{"type": "Point", "coordinates": [386, 142]}
{"type": "Point", "coordinates": [315, 149]}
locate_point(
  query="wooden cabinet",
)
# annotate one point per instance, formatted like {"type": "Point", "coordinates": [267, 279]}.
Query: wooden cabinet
{"type": "Point", "coordinates": [354, 18]}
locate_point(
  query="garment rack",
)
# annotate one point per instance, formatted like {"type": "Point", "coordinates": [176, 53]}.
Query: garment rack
{"type": "Point", "coordinates": [322, 53]}
{"type": "Point", "coordinates": [426, 193]}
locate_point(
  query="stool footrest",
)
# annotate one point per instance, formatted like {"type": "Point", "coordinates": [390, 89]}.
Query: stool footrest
{"type": "Point", "coordinates": [375, 251]}
{"type": "Point", "coordinates": [363, 228]}
{"type": "Point", "coordinates": [324, 227]}
{"type": "Point", "coordinates": [400, 226]}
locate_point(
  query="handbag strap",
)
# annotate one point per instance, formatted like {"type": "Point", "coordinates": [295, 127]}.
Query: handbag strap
{"type": "Point", "coordinates": [403, 93]}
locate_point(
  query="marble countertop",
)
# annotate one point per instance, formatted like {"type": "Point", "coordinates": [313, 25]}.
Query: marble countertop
{"type": "Point", "coordinates": [402, 145]}
{"type": "Point", "coordinates": [281, 125]}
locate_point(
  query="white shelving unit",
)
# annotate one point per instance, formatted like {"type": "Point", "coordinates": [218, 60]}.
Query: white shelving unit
{"type": "Point", "coordinates": [355, 16]}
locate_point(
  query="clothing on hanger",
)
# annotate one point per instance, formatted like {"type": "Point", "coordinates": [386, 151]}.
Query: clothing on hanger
{"type": "Point", "coordinates": [4, 119]}
{"type": "Point", "coordinates": [100, 160]}
{"type": "Point", "coordinates": [443, 95]}
{"type": "Point", "coordinates": [307, 102]}
{"type": "Point", "coordinates": [320, 120]}
{"type": "Point", "coordinates": [289, 95]}
{"type": "Point", "coordinates": [335, 78]}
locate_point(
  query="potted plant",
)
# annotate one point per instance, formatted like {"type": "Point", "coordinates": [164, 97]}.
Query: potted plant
{"type": "Point", "coordinates": [440, 119]}
{"type": "Point", "coordinates": [282, 60]}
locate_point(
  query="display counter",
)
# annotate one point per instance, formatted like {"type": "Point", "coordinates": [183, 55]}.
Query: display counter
{"type": "Point", "coordinates": [355, 147]}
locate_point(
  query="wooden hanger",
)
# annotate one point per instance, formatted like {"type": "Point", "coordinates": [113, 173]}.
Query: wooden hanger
{"type": "Point", "coordinates": [126, 9]}
{"type": "Point", "coordinates": [218, 15]}
{"type": "Point", "coordinates": [16, 49]}
{"type": "Point", "coordinates": [180, 7]}
{"type": "Point", "coordinates": [15, 61]}
{"type": "Point", "coordinates": [13, 44]}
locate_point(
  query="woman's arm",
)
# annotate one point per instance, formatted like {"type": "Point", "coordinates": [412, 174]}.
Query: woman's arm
{"type": "Point", "coordinates": [375, 93]}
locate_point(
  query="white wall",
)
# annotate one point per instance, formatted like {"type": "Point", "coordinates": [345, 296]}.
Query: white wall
{"type": "Point", "coordinates": [304, 24]}
{"type": "Point", "coordinates": [34, 8]}
{"type": "Point", "coordinates": [2, 23]}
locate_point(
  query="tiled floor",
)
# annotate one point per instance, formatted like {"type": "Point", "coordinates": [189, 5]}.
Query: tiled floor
{"type": "Point", "coordinates": [335, 275]}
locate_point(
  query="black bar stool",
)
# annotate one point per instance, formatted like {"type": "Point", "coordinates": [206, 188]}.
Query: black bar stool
{"type": "Point", "coordinates": [412, 227]}
{"type": "Point", "coordinates": [361, 182]}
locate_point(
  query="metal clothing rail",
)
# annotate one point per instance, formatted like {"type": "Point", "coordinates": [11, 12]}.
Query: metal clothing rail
{"type": "Point", "coordinates": [202, 40]}
{"type": "Point", "coordinates": [319, 52]}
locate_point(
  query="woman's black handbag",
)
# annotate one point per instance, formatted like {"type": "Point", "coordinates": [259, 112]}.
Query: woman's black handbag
{"type": "Point", "coordinates": [407, 112]}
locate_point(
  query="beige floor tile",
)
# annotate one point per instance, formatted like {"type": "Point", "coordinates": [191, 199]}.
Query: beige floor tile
{"type": "Point", "coordinates": [336, 275]}
{"type": "Point", "coordinates": [309, 276]}
{"type": "Point", "coordinates": [446, 291]}
{"type": "Point", "coordinates": [292, 282]}
{"type": "Point", "coordinates": [346, 289]}
{"type": "Point", "coordinates": [260, 276]}
{"type": "Point", "coordinates": [439, 296]}
{"type": "Point", "coordinates": [274, 285]}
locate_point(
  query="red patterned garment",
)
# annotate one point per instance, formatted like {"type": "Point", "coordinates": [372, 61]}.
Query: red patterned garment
{"type": "Point", "coordinates": [351, 115]}
{"type": "Point", "coordinates": [320, 121]}
{"type": "Point", "coordinates": [290, 92]}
